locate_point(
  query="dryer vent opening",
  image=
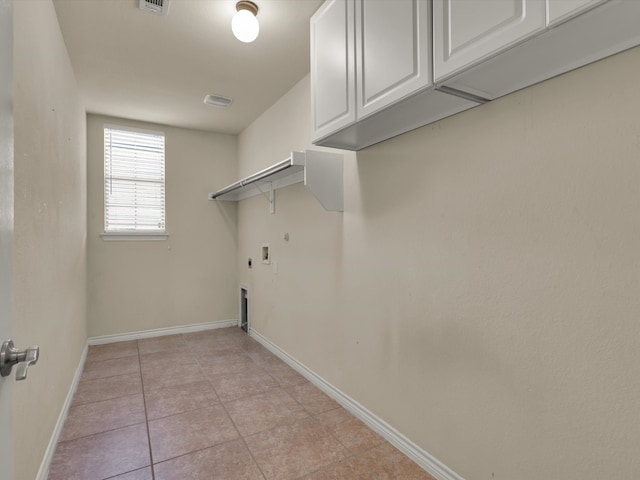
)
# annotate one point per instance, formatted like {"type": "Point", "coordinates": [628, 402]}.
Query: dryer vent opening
{"type": "Point", "coordinates": [244, 308]}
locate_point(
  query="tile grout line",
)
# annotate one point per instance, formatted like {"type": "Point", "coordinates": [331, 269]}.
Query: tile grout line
{"type": "Point", "coordinates": [99, 433]}
{"type": "Point", "coordinates": [124, 473]}
{"type": "Point", "coordinates": [74, 406]}
{"type": "Point", "coordinates": [91, 363]}
{"type": "Point", "coordinates": [105, 400]}
{"type": "Point", "coordinates": [314, 417]}
{"type": "Point", "coordinates": [352, 453]}
{"type": "Point", "coordinates": [311, 415]}
{"type": "Point", "coordinates": [326, 467]}
{"type": "Point", "coordinates": [146, 416]}
{"type": "Point", "coordinates": [119, 356]}
{"type": "Point", "coordinates": [255, 461]}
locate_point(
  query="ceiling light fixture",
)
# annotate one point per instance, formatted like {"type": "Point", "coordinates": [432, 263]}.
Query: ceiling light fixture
{"type": "Point", "coordinates": [244, 24]}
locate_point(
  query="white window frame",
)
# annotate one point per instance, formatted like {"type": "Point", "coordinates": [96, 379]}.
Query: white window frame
{"type": "Point", "coordinates": [132, 234]}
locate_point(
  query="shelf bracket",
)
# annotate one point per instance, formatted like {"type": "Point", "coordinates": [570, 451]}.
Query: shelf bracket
{"type": "Point", "coordinates": [272, 199]}
{"type": "Point", "coordinates": [270, 195]}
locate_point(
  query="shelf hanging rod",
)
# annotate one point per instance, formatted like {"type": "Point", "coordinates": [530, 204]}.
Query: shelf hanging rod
{"type": "Point", "coordinates": [256, 177]}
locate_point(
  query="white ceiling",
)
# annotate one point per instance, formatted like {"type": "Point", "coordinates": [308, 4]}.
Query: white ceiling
{"type": "Point", "coordinates": [139, 65]}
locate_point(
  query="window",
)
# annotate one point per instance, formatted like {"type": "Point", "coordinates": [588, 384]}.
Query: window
{"type": "Point", "coordinates": [133, 181]}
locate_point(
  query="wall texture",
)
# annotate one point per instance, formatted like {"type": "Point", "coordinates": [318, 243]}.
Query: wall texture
{"type": "Point", "coordinates": [50, 227]}
{"type": "Point", "coordinates": [189, 278]}
{"type": "Point", "coordinates": [480, 290]}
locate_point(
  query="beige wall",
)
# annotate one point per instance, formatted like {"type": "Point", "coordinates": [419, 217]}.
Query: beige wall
{"type": "Point", "coordinates": [480, 290]}
{"type": "Point", "coordinates": [189, 278]}
{"type": "Point", "coordinates": [50, 227]}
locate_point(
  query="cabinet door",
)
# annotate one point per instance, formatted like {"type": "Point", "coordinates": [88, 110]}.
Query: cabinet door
{"type": "Point", "coordinates": [333, 99]}
{"type": "Point", "coordinates": [469, 31]}
{"type": "Point", "coordinates": [561, 10]}
{"type": "Point", "coordinates": [393, 51]}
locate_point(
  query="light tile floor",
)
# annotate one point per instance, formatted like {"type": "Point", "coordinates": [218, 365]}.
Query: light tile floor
{"type": "Point", "coordinates": [212, 405]}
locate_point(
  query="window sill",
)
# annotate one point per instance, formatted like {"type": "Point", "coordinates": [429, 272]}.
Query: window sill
{"type": "Point", "coordinates": [135, 236]}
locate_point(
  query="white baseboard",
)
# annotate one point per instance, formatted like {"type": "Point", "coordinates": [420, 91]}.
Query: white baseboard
{"type": "Point", "coordinates": [429, 463]}
{"type": "Point", "coordinates": [160, 332]}
{"type": "Point", "coordinates": [43, 472]}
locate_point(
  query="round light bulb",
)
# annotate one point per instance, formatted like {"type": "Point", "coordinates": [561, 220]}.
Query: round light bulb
{"type": "Point", "coordinates": [245, 26]}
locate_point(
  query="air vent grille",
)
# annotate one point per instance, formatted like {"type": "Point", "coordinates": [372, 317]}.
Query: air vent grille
{"type": "Point", "coordinates": [217, 100]}
{"type": "Point", "coordinates": [160, 7]}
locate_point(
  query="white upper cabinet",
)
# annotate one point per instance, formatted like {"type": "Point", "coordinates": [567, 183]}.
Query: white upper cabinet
{"type": "Point", "coordinates": [393, 52]}
{"type": "Point", "coordinates": [562, 10]}
{"type": "Point", "coordinates": [333, 88]}
{"type": "Point", "coordinates": [371, 76]}
{"type": "Point", "coordinates": [488, 59]}
{"type": "Point", "coordinates": [468, 31]}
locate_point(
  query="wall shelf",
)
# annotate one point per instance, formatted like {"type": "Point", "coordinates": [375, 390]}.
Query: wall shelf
{"type": "Point", "coordinates": [321, 173]}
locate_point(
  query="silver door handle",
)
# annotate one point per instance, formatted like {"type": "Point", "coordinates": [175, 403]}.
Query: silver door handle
{"type": "Point", "coordinates": [10, 356]}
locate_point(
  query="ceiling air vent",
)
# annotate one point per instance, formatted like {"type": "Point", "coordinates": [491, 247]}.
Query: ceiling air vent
{"type": "Point", "coordinates": [161, 7]}
{"type": "Point", "coordinates": [217, 100]}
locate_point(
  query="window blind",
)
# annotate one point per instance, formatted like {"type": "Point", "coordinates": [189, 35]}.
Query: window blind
{"type": "Point", "coordinates": [133, 181]}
